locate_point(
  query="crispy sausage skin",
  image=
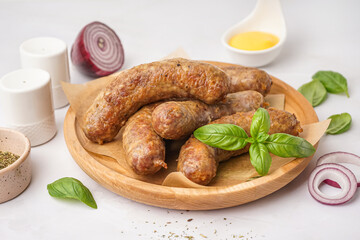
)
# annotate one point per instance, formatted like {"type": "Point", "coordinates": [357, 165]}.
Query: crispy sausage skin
{"type": "Point", "coordinates": [247, 78]}
{"type": "Point", "coordinates": [147, 83]}
{"type": "Point", "coordinates": [144, 149]}
{"type": "Point", "coordinates": [199, 162]}
{"type": "Point", "coordinates": [178, 119]}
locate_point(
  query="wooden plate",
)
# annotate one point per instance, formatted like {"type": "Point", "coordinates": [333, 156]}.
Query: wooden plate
{"type": "Point", "coordinates": [192, 198]}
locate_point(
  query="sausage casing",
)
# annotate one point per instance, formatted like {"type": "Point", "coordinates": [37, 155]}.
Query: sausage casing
{"type": "Point", "coordinates": [247, 78]}
{"type": "Point", "coordinates": [199, 162]}
{"type": "Point", "coordinates": [147, 83]}
{"type": "Point", "coordinates": [144, 149]}
{"type": "Point", "coordinates": [178, 119]}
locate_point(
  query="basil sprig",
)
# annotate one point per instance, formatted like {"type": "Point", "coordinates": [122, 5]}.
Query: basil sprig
{"type": "Point", "coordinates": [68, 187]}
{"type": "Point", "coordinates": [316, 91]}
{"type": "Point", "coordinates": [323, 82]}
{"type": "Point", "coordinates": [334, 82]}
{"type": "Point", "coordinates": [232, 137]}
{"type": "Point", "coordinates": [339, 123]}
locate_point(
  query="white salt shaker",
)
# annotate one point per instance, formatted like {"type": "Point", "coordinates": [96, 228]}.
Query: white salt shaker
{"type": "Point", "coordinates": [26, 104]}
{"type": "Point", "coordinates": [49, 54]}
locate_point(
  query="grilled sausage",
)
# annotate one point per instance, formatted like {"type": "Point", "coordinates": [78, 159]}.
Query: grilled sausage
{"type": "Point", "coordinates": [247, 78]}
{"type": "Point", "coordinates": [199, 162]}
{"type": "Point", "coordinates": [177, 120]}
{"type": "Point", "coordinates": [175, 78]}
{"type": "Point", "coordinates": [147, 83]}
{"type": "Point", "coordinates": [144, 149]}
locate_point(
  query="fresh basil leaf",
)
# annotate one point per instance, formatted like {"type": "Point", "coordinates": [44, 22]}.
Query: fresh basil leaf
{"type": "Point", "coordinates": [225, 136]}
{"type": "Point", "coordinates": [334, 82]}
{"type": "Point", "coordinates": [286, 145]}
{"type": "Point", "coordinates": [262, 137]}
{"type": "Point", "coordinates": [68, 187]}
{"type": "Point", "coordinates": [260, 123]}
{"type": "Point", "coordinates": [260, 158]}
{"type": "Point", "coordinates": [339, 123]}
{"type": "Point", "coordinates": [250, 140]}
{"type": "Point", "coordinates": [314, 92]}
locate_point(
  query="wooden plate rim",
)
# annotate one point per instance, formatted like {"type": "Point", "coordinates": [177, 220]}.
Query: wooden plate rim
{"type": "Point", "coordinates": [180, 198]}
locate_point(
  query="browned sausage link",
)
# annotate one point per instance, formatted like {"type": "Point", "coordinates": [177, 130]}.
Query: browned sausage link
{"type": "Point", "coordinates": [144, 149]}
{"type": "Point", "coordinates": [247, 78]}
{"type": "Point", "coordinates": [177, 120]}
{"type": "Point", "coordinates": [199, 161]}
{"type": "Point", "coordinates": [146, 83]}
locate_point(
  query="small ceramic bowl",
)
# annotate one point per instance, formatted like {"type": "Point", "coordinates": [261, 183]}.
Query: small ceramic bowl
{"type": "Point", "coordinates": [15, 178]}
{"type": "Point", "coordinates": [266, 17]}
{"type": "Point", "coordinates": [253, 58]}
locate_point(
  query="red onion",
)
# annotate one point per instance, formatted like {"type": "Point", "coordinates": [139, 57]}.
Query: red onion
{"type": "Point", "coordinates": [335, 172]}
{"type": "Point", "coordinates": [97, 50]}
{"type": "Point", "coordinates": [338, 157]}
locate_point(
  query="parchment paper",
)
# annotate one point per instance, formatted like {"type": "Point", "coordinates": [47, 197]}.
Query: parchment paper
{"type": "Point", "coordinates": [233, 171]}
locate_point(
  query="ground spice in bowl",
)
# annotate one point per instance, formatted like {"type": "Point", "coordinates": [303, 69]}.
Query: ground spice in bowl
{"type": "Point", "coordinates": [7, 158]}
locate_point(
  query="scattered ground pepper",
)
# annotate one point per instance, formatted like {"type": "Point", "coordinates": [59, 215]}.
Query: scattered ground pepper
{"type": "Point", "coordinates": [7, 158]}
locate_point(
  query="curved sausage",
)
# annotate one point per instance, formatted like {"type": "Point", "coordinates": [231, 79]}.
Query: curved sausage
{"type": "Point", "coordinates": [247, 78]}
{"type": "Point", "coordinates": [199, 162]}
{"type": "Point", "coordinates": [144, 149]}
{"type": "Point", "coordinates": [147, 83]}
{"type": "Point", "coordinates": [177, 120]}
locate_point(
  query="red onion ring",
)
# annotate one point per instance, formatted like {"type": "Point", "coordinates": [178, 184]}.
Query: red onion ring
{"type": "Point", "coordinates": [97, 50]}
{"type": "Point", "coordinates": [338, 173]}
{"type": "Point", "coordinates": [339, 157]}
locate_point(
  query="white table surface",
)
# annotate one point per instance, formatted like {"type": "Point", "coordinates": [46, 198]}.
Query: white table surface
{"type": "Point", "coordinates": [322, 35]}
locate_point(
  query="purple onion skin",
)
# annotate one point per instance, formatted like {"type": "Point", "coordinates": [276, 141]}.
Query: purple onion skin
{"type": "Point", "coordinates": [81, 58]}
{"type": "Point", "coordinates": [322, 160]}
{"type": "Point", "coordinates": [332, 167]}
{"type": "Point", "coordinates": [332, 183]}
{"type": "Point", "coordinates": [335, 184]}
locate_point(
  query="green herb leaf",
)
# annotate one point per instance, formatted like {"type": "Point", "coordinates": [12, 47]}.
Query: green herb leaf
{"type": "Point", "coordinates": [339, 123]}
{"type": "Point", "coordinates": [225, 136]}
{"type": "Point", "coordinates": [334, 82]}
{"type": "Point", "coordinates": [260, 123]}
{"type": "Point", "coordinates": [250, 140]}
{"type": "Point", "coordinates": [68, 187]}
{"type": "Point", "coordinates": [314, 92]}
{"type": "Point", "coordinates": [262, 137]}
{"type": "Point", "coordinates": [260, 158]}
{"type": "Point", "coordinates": [285, 145]}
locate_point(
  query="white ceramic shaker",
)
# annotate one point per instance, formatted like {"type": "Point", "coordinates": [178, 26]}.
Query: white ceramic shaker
{"type": "Point", "coordinates": [26, 104]}
{"type": "Point", "coordinates": [49, 54]}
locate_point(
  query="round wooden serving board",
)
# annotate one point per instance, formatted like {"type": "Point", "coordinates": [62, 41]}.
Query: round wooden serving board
{"type": "Point", "coordinates": [192, 198]}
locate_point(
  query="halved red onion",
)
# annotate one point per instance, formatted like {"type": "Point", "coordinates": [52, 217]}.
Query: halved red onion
{"type": "Point", "coordinates": [339, 157]}
{"type": "Point", "coordinates": [335, 172]}
{"type": "Point", "coordinates": [97, 50]}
